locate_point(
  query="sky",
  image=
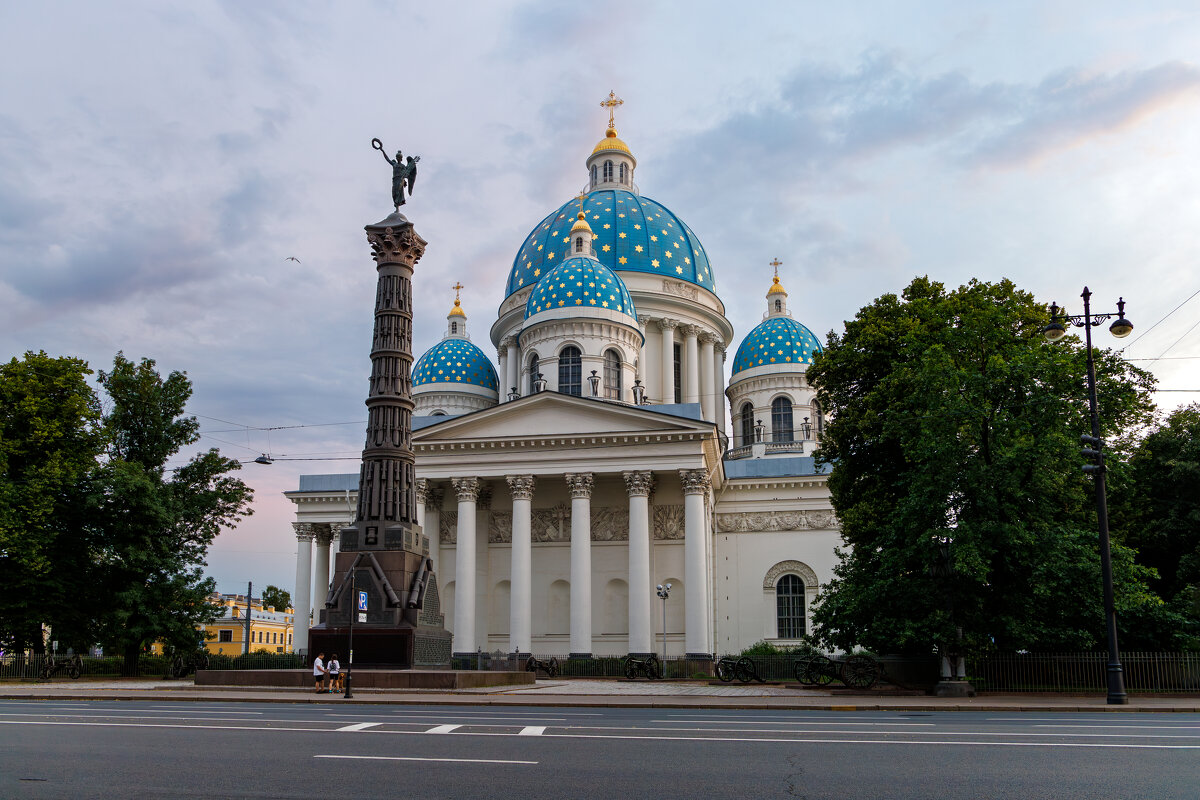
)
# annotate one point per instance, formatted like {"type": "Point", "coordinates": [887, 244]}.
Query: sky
{"type": "Point", "coordinates": [160, 162]}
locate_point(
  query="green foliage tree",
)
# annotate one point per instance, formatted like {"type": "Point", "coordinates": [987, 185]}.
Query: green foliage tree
{"type": "Point", "coordinates": [149, 531]}
{"type": "Point", "coordinates": [50, 437]}
{"type": "Point", "coordinates": [1158, 501]}
{"type": "Point", "coordinates": [954, 436]}
{"type": "Point", "coordinates": [274, 597]}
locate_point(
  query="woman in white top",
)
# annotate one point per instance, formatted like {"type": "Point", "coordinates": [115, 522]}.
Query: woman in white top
{"type": "Point", "coordinates": [335, 672]}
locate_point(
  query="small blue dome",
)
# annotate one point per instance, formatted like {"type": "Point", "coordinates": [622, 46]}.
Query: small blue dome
{"type": "Point", "coordinates": [633, 234]}
{"type": "Point", "coordinates": [776, 340]}
{"type": "Point", "coordinates": [455, 361]}
{"type": "Point", "coordinates": [584, 282]}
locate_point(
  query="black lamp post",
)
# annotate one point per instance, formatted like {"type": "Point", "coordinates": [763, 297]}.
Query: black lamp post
{"type": "Point", "coordinates": [1094, 450]}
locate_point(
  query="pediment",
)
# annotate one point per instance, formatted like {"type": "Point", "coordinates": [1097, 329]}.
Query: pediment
{"type": "Point", "coordinates": [550, 414]}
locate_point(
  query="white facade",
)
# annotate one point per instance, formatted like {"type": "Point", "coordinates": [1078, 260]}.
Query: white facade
{"type": "Point", "coordinates": [552, 516]}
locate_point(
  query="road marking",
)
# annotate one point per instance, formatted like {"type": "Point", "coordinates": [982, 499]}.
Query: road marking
{"type": "Point", "coordinates": [443, 728]}
{"type": "Point", "coordinates": [1132, 727]}
{"type": "Point", "coordinates": [797, 739]}
{"type": "Point", "coordinates": [360, 726]}
{"type": "Point", "coordinates": [416, 758]}
{"type": "Point", "coordinates": [532, 730]}
{"type": "Point", "coordinates": [823, 721]}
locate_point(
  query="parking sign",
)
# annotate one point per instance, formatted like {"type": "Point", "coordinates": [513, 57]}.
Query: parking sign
{"type": "Point", "coordinates": [362, 601]}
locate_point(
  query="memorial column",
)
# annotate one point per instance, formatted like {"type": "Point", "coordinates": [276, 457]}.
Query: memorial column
{"type": "Point", "coordinates": [580, 485]}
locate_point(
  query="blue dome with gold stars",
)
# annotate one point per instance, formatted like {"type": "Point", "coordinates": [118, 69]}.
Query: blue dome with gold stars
{"type": "Point", "coordinates": [633, 234]}
{"type": "Point", "coordinates": [581, 282]}
{"type": "Point", "coordinates": [455, 361]}
{"type": "Point", "coordinates": [776, 340]}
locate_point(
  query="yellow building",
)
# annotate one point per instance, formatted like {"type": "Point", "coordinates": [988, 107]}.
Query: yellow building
{"type": "Point", "coordinates": [270, 630]}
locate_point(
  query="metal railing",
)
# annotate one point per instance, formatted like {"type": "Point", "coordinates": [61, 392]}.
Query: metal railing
{"type": "Point", "coordinates": [1083, 672]}
{"type": "Point", "coordinates": [148, 666]}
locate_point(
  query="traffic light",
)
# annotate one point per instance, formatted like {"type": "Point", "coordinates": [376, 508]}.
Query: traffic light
{"type": "Point", "coordinates": [1091, 451]}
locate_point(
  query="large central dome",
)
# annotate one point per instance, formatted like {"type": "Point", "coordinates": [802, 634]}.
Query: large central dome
{"type": "Point", "coordinates": [633, 234]}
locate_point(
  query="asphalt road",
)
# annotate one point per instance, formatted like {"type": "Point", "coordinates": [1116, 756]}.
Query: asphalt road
{"type": "Point", "coordinates": [211, 750]}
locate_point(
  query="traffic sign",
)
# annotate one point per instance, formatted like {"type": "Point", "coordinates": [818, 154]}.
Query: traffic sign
{"type": "Point", "coordinates": [362, 601]}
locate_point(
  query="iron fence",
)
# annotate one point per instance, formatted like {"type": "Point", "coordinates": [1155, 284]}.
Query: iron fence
{"type": "Point", "coordinates": [149, 666]}
{"type": "Point", "coordinates": [1083, 672]}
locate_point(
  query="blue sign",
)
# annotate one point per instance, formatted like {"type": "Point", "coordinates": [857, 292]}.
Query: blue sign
{"type": "Point", "coordinates": [362, 601]}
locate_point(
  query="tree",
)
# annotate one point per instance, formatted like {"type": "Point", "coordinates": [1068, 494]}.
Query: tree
{"type": "Point", "coordinates": [1160, 505]}
{"type": "Point", "coordinates": [149, 532]}
{"type": "Point", "coordinates": [50, 438]}
{"type": "Point", "coordinates": [276, 598]}
{"type": "Point", "coordinates": [954, 447]}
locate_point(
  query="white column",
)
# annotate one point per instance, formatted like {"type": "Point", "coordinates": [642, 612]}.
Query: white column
{"type": "Point", "coordinates": [323, 536]}
{"type": "Point", "coordinates": [638, 485]}
{"type": "Point", "coordinates": [695, 563]}
{"type": "Point", "coordinates": [483, 565]}
{"type": "Point", "coordinates": [513, 379]}
{"type": "Point", "coordinates": [719, 382]}
{"type": "Point", "coordinates": [668, 327]}
{"type": "Point", "coordinates": [520, 610]}
{"type": "Point", "coordinates": [432, 525]}
{"type": "Point", "coordinates": [467, 490]}
{"type": "Point", "coordinates": [502, 375]}
{"type": "Point", "coordinates": [691, 365]}
{"type": "Point", "coordinates": [709, 400]}
{"type": "Point", "coordinates": [581, 563]}
{"type": "Point", "coordinates": [302, 591]}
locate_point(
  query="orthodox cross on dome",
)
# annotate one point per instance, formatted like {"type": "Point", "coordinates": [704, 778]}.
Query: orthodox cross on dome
{"type": "Point", "coordinates": [776, 263]}
{"type": "Point", "coordinates": [581, 197]}
{"type": "Point", "coordinates": [457, 287]}
{"type": "Point", "coordinates": [611, 104]}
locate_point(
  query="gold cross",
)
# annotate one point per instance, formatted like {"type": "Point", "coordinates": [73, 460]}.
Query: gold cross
{"type": "Point", "coordinates": [581, 197]}
{"type": "Point", "coordinates": [776, 264]}
{"type": "Point", "coordinates": [611, 104]}
{"type": "Point", "coordinates": [457, 287]}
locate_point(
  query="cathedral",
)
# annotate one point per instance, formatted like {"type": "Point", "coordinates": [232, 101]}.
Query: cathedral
{"type": "Point", "coordinates": [563, 492]}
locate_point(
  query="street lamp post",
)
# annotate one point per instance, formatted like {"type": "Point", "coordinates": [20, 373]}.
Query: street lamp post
{"type": "Point", "coordinates": [664, 591]}
{"type": "Point", "coordinates": [1094, 450]}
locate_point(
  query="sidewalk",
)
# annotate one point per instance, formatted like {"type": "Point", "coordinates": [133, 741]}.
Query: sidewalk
{"type": "Point", "coordinates": [598, 693]}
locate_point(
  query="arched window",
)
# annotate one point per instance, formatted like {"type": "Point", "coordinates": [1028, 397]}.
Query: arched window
{"type": "Point", "coordinates": [570, 371]}
{"type": "Point", "coordinates": [578, 244]}
{"type": "Point", "coordinates": [612, 375]}
{"type": "Point", "coordinates": [593, 174]}
{"type": "Point", "coordinates": [533, 373]}
{"type": "Point", "coordinates": [789, 607]}
{"type": "Point", "coordinates": [779, 305]}
{"type": "Point", "coordinates": [623, 173]}
{"type": "Point", "coordinates": [820, 418]}
{"type": "Point", "coordinates": [746, 424]}
{"type": "Point", "coordinates": [781, 420]}
{"type": "Point", "coordinates": [608, 170]}
{"type": "Point", "coordinates": [454, 327]}
{"type": "Point", "coordinates": [438, 413]}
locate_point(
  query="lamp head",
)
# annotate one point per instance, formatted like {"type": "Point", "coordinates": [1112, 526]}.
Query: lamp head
{"type": "Point", "coordinates": [1055, 330]}
{"type": "Point", "coordinates": [1122, 327]}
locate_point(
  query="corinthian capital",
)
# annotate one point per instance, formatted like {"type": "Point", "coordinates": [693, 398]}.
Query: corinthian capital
{"type": "Point", "coordinates": [305, 532]}
{"type": "Point", "coordinates": [668, 324]}
{"type": "Point", "coordinates": [521, 486]}
{"type": "Point", "coordinates": [422, 490]}
{"type": "Point", "coordinates": [690, 330]}
{"type": "Point", "coordinates": [396, 245]}
{"type": "Point", "coordinates": [695, 481]}
{"type": "Point", "coordinates": [466, 488]}
{"type": "Point", "coordinates": [638, 483]}
{"type": "Point", "coordinates": [580, 484]}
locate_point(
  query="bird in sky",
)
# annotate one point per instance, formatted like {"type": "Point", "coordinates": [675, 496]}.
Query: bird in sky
{"type": "Point", "coordinates": [292, 258]}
